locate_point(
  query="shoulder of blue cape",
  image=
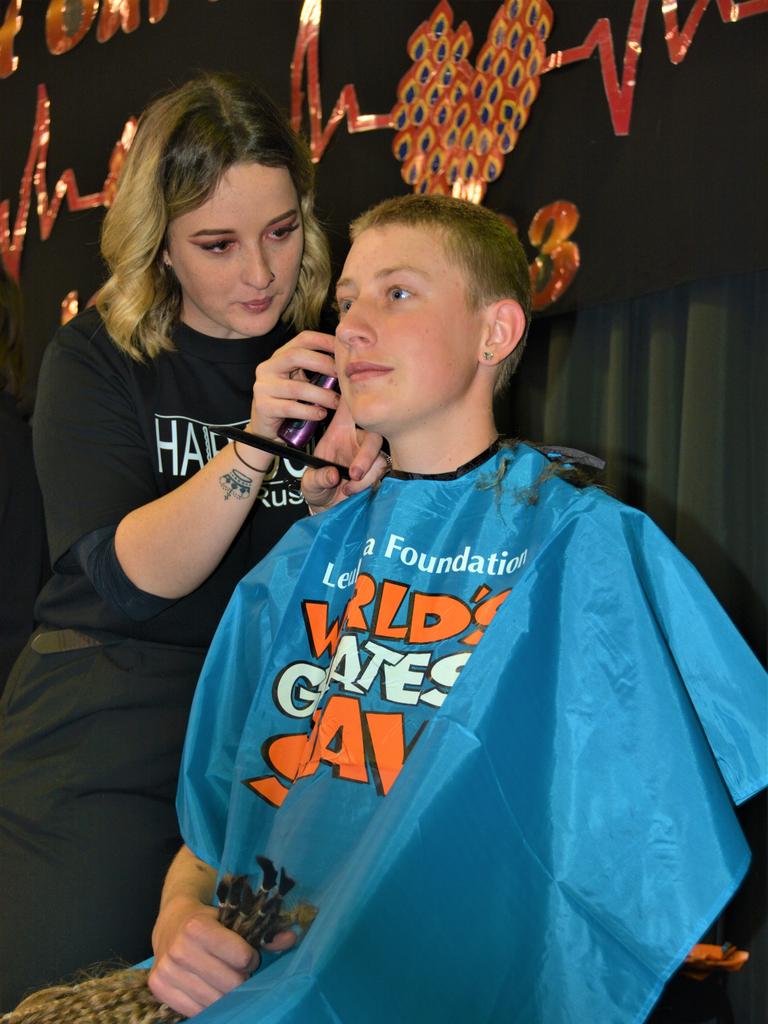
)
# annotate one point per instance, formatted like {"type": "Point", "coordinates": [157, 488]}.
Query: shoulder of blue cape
{"type": "Point", "coordinates": [616, 567]}
{"type": "Point", "coordinates": [602, 567]}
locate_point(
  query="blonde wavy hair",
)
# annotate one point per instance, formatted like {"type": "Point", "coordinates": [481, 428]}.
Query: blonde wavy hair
{"type": "Point", "coordinates": [186, 140]}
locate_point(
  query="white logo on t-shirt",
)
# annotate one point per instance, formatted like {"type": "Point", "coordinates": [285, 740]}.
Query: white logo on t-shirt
{"type": "Point", "coordinates": [184, 445]}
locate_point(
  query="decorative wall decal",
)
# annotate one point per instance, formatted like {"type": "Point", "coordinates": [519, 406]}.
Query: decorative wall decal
{"type": "Point", "coordinates": [126, 16]}
{"type": "Point", "coordinates": [305, 52]}
{"type": "Point", "coordinates": [70, 306]}
{"type": "Point", "coordinates": [456, 123]}
{"type": "Point", "coordinates": [11, 27]}
{"type": "Point", "coordinates": [558, 261]}
{"type": "Point", "coordinates": [68, 22]}
{"type": "Point", "coordinates": [456, 116]}
{"type": "Point", "coordinates": [35, 171]}
{"type": "Point", "coordinates": [621, 97]}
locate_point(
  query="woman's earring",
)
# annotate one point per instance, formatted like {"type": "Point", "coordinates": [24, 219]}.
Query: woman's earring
{"type": "Point", "coordinates": [487, 356]}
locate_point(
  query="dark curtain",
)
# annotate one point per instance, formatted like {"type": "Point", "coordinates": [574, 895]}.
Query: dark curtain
{"type": "Point", "coordinates": [670, 389]}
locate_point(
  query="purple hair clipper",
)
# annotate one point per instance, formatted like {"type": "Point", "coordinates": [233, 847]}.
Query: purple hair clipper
{"type": "Point", "coordinates": [297, 432]}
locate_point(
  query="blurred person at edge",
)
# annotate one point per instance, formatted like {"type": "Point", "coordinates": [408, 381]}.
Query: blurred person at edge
{"type": "Point", "coordinates": [23, 556]}
{"type": "Point", "coordinates": [219, 272]}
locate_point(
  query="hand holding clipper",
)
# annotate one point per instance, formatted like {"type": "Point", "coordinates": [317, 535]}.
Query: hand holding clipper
{"type": "Point", "coordinates": [298, 432]}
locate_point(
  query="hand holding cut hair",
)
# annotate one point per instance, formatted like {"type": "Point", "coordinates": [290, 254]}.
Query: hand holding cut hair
{"type": "Point", "coordinates": [347, 444]}
{"type": "Point", "coordinates": [198, 959]}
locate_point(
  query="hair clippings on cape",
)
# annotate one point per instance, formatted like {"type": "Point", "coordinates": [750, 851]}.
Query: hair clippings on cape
{"type": "Point", "coordinates": [285, 451]}
{"type": "Point", "coordinates": [558, 453]}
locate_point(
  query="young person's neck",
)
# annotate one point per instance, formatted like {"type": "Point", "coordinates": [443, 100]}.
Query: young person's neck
{"type": "Point", "coordinates": [428, 453]}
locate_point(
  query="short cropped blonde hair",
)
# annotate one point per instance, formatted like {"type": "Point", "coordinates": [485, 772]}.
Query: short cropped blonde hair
{"type": "Point", "coordinates": [478, 241]}
{"type": "Point", "coordinates": [185, 143]}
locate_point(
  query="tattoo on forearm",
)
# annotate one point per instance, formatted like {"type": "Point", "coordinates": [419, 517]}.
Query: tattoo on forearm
{"type": "Point", "coordinates": [235, 485]}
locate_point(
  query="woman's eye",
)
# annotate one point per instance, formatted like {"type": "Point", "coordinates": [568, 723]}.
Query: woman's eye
{"type": "Point", "coordinates": [221, 246]}
{"type": "Point", "coordinates": [284, 231]}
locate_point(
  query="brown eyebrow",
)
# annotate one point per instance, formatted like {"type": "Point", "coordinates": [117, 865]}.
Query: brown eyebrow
{"type": "Point", "coordinates": [204, 232]}
{"type": "Point", "coordinates": [345, 282]}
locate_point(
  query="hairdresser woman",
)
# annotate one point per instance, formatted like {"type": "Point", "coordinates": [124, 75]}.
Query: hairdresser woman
{"type": "Point", "coordinates": [218, 273]}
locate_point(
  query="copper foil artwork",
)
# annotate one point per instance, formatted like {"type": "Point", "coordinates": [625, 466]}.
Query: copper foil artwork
{"type": "Point", "coordinates": [456, 120]}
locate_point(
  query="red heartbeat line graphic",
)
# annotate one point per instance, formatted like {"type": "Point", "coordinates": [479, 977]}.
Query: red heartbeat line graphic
{"type": "Point", "coordinates": [306, 52]}
{"type": "Point", "coordinates": [620, 97]}
{"type": "Point", "coordinates": [35, 172]}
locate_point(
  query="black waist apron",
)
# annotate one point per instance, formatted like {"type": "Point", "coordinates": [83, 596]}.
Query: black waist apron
{"type": "Point", "coordinates": [107, 716]}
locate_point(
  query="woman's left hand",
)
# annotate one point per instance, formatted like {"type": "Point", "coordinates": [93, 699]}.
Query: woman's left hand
{"type": "Point", "coordinates": [346, 444]}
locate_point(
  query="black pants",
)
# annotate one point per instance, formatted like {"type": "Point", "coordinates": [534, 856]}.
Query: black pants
{"type": "Point", "coordinates": [90, 742]}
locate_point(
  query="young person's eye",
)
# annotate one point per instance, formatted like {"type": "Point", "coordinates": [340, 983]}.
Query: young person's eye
{"type": "Point", "coordinates": [398, 293]}
{"type": "Point", "coordinates": [342, 306]}
{"type": "Point", "coordinates": [284, 230]}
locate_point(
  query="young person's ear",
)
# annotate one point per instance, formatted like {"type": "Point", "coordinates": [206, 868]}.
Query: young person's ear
{"type": "Point", "coordinates": [505, 326]}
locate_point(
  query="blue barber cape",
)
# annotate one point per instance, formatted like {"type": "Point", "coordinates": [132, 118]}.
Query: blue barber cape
{"type": "Point", "coordinates": [493, 726]}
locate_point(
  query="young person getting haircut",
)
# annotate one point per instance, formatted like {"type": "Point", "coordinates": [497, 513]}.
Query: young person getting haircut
{"type": "Point", "coordinates": [487, 720]}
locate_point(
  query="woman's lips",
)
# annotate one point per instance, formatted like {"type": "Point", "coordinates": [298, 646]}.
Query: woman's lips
{"type": "Point", "coordinates": [258, 305]}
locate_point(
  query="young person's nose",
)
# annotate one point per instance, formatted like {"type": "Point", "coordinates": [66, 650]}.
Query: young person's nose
{"type": "Point", "coordinates": [355, 327]}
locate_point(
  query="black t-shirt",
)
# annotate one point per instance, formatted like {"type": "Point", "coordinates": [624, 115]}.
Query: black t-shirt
{"type": "Point", "coordinates": [112, 434]}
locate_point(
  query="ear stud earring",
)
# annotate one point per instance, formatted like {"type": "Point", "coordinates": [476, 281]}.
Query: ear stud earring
{"type": "Point", "coordinates": [487, 355]}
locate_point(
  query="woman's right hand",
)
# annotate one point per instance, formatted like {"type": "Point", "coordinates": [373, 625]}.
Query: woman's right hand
{"type": "Point", "coordinates": [282, 389]}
